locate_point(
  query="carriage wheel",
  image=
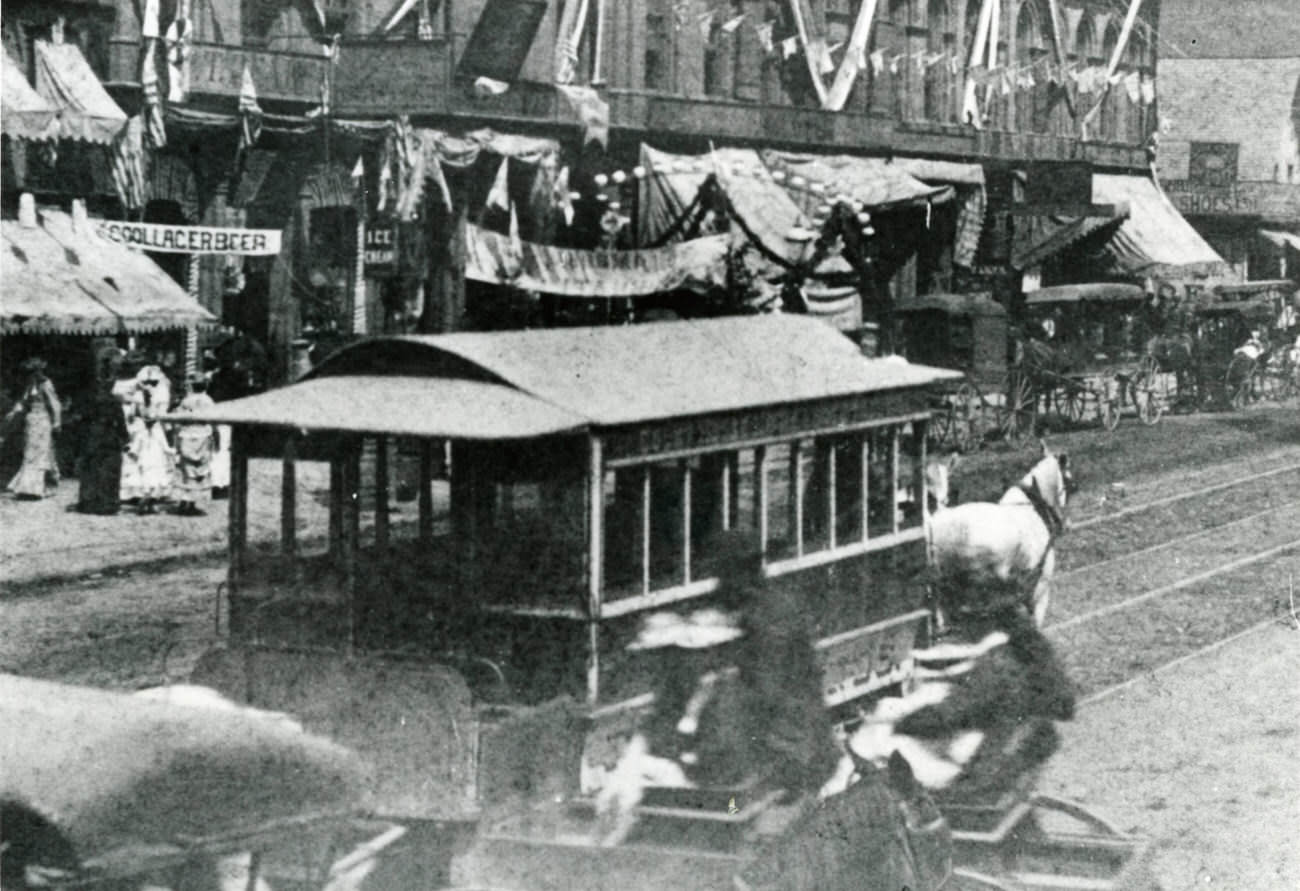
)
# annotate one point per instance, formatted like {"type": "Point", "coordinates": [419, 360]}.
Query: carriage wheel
{"type": "Point", "coordinates": [1020, 411]}
{"type": "Point", "coordinates": [1070, 401]}
{"type": "Point", "coordinates": [1145, 390]}
{"type": "Point", "coordinates": [967, 418]}
{"type": "Point", "coordinates": [1108, 410]}
{"type": "Point", "coordinates": [1239, 381]}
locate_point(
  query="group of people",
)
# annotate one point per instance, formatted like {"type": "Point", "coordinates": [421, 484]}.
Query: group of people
{"type": "Point", "coordinates": [128, 454]}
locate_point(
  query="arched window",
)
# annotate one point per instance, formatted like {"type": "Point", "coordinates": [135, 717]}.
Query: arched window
{"type": "Point", "coordinates": [941, 48]}
{"type": "Point", "coordinates": [1107, 122]}
{"type": "Point", "coordinates": [1033, 44]}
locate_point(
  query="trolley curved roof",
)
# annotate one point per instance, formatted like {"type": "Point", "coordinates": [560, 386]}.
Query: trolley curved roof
{"type": "Point", "coordinates": [1094, 292]}
{"type": "Point", "coordinates": [953, 304]}
{"type": "Point", "coordinates": [521, 384]}
{"type": "Point", "coordinates": [111, 772]}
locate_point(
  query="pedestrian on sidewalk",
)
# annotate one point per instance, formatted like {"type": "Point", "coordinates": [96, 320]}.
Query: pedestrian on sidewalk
{"type": "Point", "coordinates": [104, 439]}
{"type": "Point", "coordinates": [194, 448]}
{"type": "Point", "coordinates": [126, 389]}
{"type": "Point", "coordinates": [38, 477]}
{"type": "Point", "coordinates": [150, 446]}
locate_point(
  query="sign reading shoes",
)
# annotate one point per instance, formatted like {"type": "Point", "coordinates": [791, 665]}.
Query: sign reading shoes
{"type": "Point", "coordinates": [176, 239]}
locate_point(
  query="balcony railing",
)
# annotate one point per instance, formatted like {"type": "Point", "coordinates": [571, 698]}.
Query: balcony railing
{"type": "Point", "coordinates": [217, 70]}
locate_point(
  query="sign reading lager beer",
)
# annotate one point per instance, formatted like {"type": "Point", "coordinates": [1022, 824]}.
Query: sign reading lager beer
{"type": "Point", "coordinates": [176, 239]}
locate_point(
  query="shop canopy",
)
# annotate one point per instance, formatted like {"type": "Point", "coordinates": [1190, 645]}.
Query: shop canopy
{"type": "Point", "coordinates": [1155, 239]}
{"type": "Point", "coordinates": [877, 183]}
{"type": "Point", "coordinates": [1282, 239]}
{"type": "Point", "coordinates": [66, 81]}
{"type": "Point", "coordinates": [1093, 292]}
{"type": "Point", "coordinates": [1040, 237]}
{"type": "Point", "coordinates": [698, 264]}
{"type": "Point", "coordinates": [61, 278]}
{"type": "Point", "coordinates": [24, 113]}
{"type": "Point", "coordinates": [605, 376]}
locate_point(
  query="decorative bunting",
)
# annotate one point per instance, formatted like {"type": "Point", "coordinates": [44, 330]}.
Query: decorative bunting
{"type": "Point", "coordinates": [1148, 91]}
{"type": "Point", "coordinates": [789, 46]}
{"type": "Point", "coordinates": [250, 113]}
{"type": "Point", "coordinates": [487, 86]}
{"type": "Point", "coordinates": [878, 62]}
{"type": "Point", "coordinates": [1133, 86]}
{"type": "Point", "coordinates": [499, 194]}
{"type": "Point", "coordinates": [732, 24]}
{"type": "Point", "coordinates": [706, 25]}
{"type": "Point", "coordinates": [764, 31]}
{"type": "Point", "coordinates": [592, 111]}
{"type": "Point", "coordinates": [178, 54]}
{"type": "Point", "coordinates": [562, 197]}
{"type": "Point", "coordinates": [155, 127]}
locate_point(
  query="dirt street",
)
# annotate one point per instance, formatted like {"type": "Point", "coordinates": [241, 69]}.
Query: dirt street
{"type": "Point", "coordinates": [1204, 758]}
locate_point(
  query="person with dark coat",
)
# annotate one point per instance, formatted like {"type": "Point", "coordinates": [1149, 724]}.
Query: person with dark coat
{"type": "Point", "coordinates": [104, 438]}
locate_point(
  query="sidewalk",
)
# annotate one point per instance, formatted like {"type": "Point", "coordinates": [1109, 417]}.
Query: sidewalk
{"type": "Point", "coordinates": [1204, 759]}
{"type": "Point", "coordinates": [46, 540]}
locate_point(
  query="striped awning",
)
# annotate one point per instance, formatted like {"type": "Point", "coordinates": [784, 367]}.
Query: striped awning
{"type": "Point", "coordinates": [1155, 239]}
{"type": "Point", "coordinates": [65, 79]}
{"type": "Point", "coordinates": [24, 113]}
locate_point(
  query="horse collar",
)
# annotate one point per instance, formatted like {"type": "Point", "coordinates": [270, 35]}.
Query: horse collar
{"type": "Point", "coordinates": [1051, 517]}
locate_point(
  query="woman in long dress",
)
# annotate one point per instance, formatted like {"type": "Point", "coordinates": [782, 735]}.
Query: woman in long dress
{"type": "Point", "coordinates": [38, 477]}
{"type": "Point", "coordinates": [194, 447]}
{"type": "Point", "coordinates": [149, 446]}
{"type": "Point", "coordinates": [99, 472]}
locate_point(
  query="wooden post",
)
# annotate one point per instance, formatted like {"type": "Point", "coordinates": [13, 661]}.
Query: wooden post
{"type": "Point", "coordinates": [795, 492]}
{"type": "Point", "coordinates": [426, 492]}
{"type": "Point", "coordinates": [381, 492]}
{"type": "Point", "coordinates": [595, 563]}
{"type": "Point", "coordinates": [760, 496]}
{"type": "Point", "coordinates": [289, 502]}
{"type": "Point", "coordinates": [350, 524]}
{"type": "Point", "coordinates": [237, 531]}
{"type": "Point", "coordinates": [686, 522]}
{"type": "Point", "coordinates": [866, 485]}
{"type": "Point", "coordinates": [831, 531]}
{"type": "Point", "coordinates": [893, 476]}
{"type": "Point", "coordinates": [646, 529]}
{"type": "Point", "coordinates": [336, 508]}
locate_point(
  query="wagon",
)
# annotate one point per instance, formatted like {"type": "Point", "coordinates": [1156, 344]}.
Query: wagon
{"type": "Point", "coordinates": [472, 645]}
{"type": "Point", "coordinates": [1229, 375]}
{"type": "Point", "coordinates": [1272, 307]}
{"type": "Point", "coordinates": [107, 790]}
{"type": "Point", "coordinates": [968, 333]}
{"type": "Point", "coordinates": [1083, 353]}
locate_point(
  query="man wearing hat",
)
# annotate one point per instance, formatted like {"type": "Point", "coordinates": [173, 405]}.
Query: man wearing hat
{"type": "Point", "coordinates": [38, 477]}
{"type": "Point", "coordinates": [104, 437]}
{"type": "Point", "coordinates": [194, 447]}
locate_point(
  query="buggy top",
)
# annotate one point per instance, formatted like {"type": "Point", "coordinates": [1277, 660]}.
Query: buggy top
{"type": "Point", "coordinates": [110, 780]}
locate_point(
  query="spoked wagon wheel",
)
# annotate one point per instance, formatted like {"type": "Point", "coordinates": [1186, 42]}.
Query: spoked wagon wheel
{"type": "Point", "coordinates": [1109, 400]}
{"type": "Point", "coordinates": [1145, 391]}
{"type": "Point", "coordinates": [1239, 381]}
{"type": "Point", "coordinates": [1070, 402]}
{"type": "Point", "coordinates": [967, 418]}
{"type": "Point", "coordinates": [1020, 409]}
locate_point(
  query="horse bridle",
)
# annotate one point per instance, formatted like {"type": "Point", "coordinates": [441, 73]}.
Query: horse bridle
{"type": "Point", "coordinates": [1051, 517]}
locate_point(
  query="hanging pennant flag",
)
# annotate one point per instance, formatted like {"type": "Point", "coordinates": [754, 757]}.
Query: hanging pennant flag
{"type": "Point", "coordinates": [250, 113]}
{"type": "Point", "coordinates": [970, 110]}
{"type": "Point", "coordinates": [860, 57]}
{"type": "Point", "coordinates": [592, 111]}
{"type": "Point", "coordinates": [561, 196]}
{"type": "Point", "coordinates": [1007, 82]}
{"type": "Point", "coordinates": [954, 65]}
{"type": "Point", "coordinates": [730, 25]}
{"type": "Point", "coordinates": [1133, 86]}
{"type": "Point", "coordinates": [1148, 91]}
{"type": "Point", "coordinates": [178, 54]}
{"type": "Point", "coordinates": [516, 243]}
{"type": "Point", "coordinates": [499, 194]}
{"type": "Point", "coordinates": [764, 31]}
{"type": "Point", "coordinates": [877, 62]}
{"type": "Point", "coordinates": [919, 59]}
{"type": "Point", "coordinates": [789, 46]}
{"type": "Point", "coordinates": [706, 26]}
{"type": "Point", "coordinates": [893, 64]}
{"type": "Point", "coordinates": [680, 11]}
{"type": "Point", "coordinates": [1114, 78]}
{"type": "Point", "coordinates": [358, 178]}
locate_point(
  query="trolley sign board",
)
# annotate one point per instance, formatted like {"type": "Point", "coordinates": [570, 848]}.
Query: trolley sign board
{"type": "Point", "coordinates": [176, 239]}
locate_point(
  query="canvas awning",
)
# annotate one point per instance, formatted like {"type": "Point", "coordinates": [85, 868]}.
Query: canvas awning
{"type": "Point", "coordinates": [64, 78]}
{"type": "Point", "coordinates": [1038, 238]}
{"type": "Point", "coordinates": [24, 113]}
{"type": "Point", "coordinates": [1282, 239]}
{"type": "Point", "coordinates": [698, 264]}
{"type": "Point", "coordinates": [66, 279]}
{"type": "Point", "coordinates": [876, 182]}
{"type": "Point", "coordinates": [1155, 239]}
{"type": "Point", "coordinates": [1091, 292]}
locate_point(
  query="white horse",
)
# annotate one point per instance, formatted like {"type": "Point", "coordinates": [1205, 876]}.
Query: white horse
{"type": "Point", "coordinates": [1005, 549]}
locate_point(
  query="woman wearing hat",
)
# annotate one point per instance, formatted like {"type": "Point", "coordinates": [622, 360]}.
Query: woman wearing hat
{"type": "Point", "coordinates": [38, 477]}
{"type": "Point", "coordinates": [149, 445]}
{"type": "Point", "coordinates": [194, 448]}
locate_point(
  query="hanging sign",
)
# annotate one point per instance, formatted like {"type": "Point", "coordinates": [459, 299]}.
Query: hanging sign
{"type": "Point", "coordinates": [176, 239]}
{"type": "Point", "coordinates": [381, 246]}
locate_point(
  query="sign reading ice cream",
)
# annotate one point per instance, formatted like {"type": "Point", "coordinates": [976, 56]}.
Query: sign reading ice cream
{"type": "Point", "coordinates": [175, 239]}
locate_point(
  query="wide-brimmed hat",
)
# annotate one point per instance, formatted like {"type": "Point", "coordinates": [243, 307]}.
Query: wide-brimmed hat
{"type": "Point", "coordinates": [35, 363]}
{"type": "Point", "coordinates": [702, 628]}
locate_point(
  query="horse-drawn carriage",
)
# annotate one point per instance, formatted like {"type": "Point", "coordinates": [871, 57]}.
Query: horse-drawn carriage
{"type": "Point", "coordinates": [475, 645]}
{"type": "Point", "coordinates": [1083, 352]}
{"type": "Point", "coordinates": [968, 333]}
{"type": "Point", "coordinates": [109, 790]}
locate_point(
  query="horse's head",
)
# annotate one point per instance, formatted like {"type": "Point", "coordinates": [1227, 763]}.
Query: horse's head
{"type": "Point", "coordinates": [939, 492]}
{"type": "Point", "coordinates": [1053, 479]}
